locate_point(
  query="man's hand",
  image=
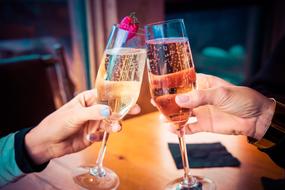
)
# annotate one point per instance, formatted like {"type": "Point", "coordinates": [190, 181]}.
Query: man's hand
{"type": "Point", "coordinates": [221, 107]}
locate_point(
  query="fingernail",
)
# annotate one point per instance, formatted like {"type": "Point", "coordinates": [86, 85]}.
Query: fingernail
{"type": "Point", "coordinates": [105, 112]}
{"type": "Point", "coordinates": [94, 137]}
{"type": "Point", "coordinates": [91, 137]}
{"type": "Point", "coordinates": [182, 98]}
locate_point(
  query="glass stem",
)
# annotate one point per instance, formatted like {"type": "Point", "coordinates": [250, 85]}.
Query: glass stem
{"type": "Point", "coordinates": [188, 180]}
{"type": "Point", "coordinates": [99, 170]}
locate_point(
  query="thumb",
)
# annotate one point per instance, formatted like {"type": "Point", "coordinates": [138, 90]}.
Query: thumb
{"type": "Point", "coordinates": [198, 98]}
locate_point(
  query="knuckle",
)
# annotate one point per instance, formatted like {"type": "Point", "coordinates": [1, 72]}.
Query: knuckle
{"type": "Point", "coordinates": [224, 91]}
{"type": "Point", "coordinates": [198, 96]}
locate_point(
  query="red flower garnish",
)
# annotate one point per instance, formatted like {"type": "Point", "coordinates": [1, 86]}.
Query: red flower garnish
{"type": "Point", "coordinates": [131, 24]}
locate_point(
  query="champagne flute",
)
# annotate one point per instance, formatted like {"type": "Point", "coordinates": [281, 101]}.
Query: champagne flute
{"type": "Point", "coordinates": [171, 71]}
{"type": "Point", "coordinates": [118, 85]}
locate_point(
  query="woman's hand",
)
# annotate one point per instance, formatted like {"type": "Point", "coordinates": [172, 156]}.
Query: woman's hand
{"type": "Point", "coordinates": [70, 129]}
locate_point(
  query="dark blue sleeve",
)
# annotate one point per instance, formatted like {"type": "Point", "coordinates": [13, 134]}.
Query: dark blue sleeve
{"type": "Point", "coordinates": [23, 160]}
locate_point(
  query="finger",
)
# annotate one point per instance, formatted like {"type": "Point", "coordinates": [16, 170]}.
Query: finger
{"type": "Point", "coordinates": [196, 98]}
{"type": "Point", "coordinates": [136, 109]}
{"type": "Point", "coordinates": [192, 99]}
{"type": "Point", "coordinates": [201, 122]}
{"type": "Point", "coordinates": [90, 97]}
{"type": "Point", "coordinates": [95, 112]}
{"type": "Point", "coordinates": [86, 98]}
{"type": "Point", "coordinates": [209, 81]}
{"type": "Point", "coordinates": [93, 132]}
{"type": "Point", "coordinates": [202, 81]}
{"type": "Point", "coordinates": [212, 119]}
{"type": "Point", "coordinates": [111, 127]}
{"type": "Point", "coordinates": [153, 102]}
{"type": "Point", "coordinates": [95, 137]}
{"type": "Point", "coordinates": [94, 126]}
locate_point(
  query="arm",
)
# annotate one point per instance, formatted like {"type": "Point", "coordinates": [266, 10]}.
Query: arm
{"type": "Point", "coordinates": [73, 127]}
{"type": "Point", "coordinates": [270, 81]}
{"type": "Point", "coordinates": [62, 132]}
{"type": "Point", "coordinates": [14, 159]}
{"type": "Point", "coordinates": [273, 142]}
{"type": "Point", "coordinates": [9, 170]}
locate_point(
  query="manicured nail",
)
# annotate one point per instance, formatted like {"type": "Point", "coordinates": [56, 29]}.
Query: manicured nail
{"type": "Point", "coordinates": [182, 98]}
{"type": "Point", "coordinates": [91, 137]}
{"type": "Point", "coordinates": [105, 112]}
{"type": "Point", "coordinates": [94, 137]}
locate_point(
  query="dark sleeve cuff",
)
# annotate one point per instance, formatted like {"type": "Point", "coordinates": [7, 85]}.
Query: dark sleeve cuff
{"type": "Point", "coordinates": [23, 160]}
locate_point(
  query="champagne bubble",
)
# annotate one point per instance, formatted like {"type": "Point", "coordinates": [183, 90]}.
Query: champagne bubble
{"type": "Point", "coordinates": [171, 72]}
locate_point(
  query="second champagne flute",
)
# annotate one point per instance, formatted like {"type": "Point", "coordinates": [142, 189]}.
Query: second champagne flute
{"type": "Point", "coordinates": [118, 85]}
{"type": "Point", "coordinates": [171, 72]}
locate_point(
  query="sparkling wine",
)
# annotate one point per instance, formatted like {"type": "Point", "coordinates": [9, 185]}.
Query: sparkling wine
{"type": "Point", "coordinates": [119, 95]}
{"type": "Point", "coordinates": [171, 72]}
{"type": "Point", "coordinates": [119, 79]}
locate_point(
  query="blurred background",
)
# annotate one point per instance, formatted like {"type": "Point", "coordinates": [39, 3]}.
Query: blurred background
{"type": "Point", "coordinates": [51, 49]}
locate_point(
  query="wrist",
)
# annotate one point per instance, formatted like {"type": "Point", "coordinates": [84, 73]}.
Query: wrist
{"type": "Point", "coordinates": [264, 120]}
{"type": "Point", "coordinates": [22, 157]}
{"type": "Point", "coordinates": [37, 148]}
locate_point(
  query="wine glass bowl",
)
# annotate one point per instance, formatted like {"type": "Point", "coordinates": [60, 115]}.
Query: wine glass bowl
{"type": "Point", "coordinates": [121, 71]}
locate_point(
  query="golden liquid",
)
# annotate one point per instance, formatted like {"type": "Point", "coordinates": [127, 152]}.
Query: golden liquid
{"type": "Point", "coordinates": [119, 79]}
{"type": "Point", "coordinates": [119, 95]}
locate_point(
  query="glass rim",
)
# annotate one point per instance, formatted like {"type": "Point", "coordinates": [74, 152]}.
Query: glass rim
{"type": "Point", "coordinates": [140, 31]}
{"type": "Point", "coordinates": [164, 22]}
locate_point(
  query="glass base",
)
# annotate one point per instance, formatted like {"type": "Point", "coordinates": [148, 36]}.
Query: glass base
{"type": "Point", "coordinates": [82, 177]}
{"type": "Point", "coordinates": [201, 183]}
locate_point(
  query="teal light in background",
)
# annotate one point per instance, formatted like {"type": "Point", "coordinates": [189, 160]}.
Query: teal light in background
{"type": "Point", "coordinates": [79, 16]}
{"type": "Point", "coordinates": [222, 40]}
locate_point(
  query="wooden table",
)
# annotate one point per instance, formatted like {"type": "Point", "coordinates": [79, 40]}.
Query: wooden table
{"type": "Point", "coordinates": [140, 156]}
